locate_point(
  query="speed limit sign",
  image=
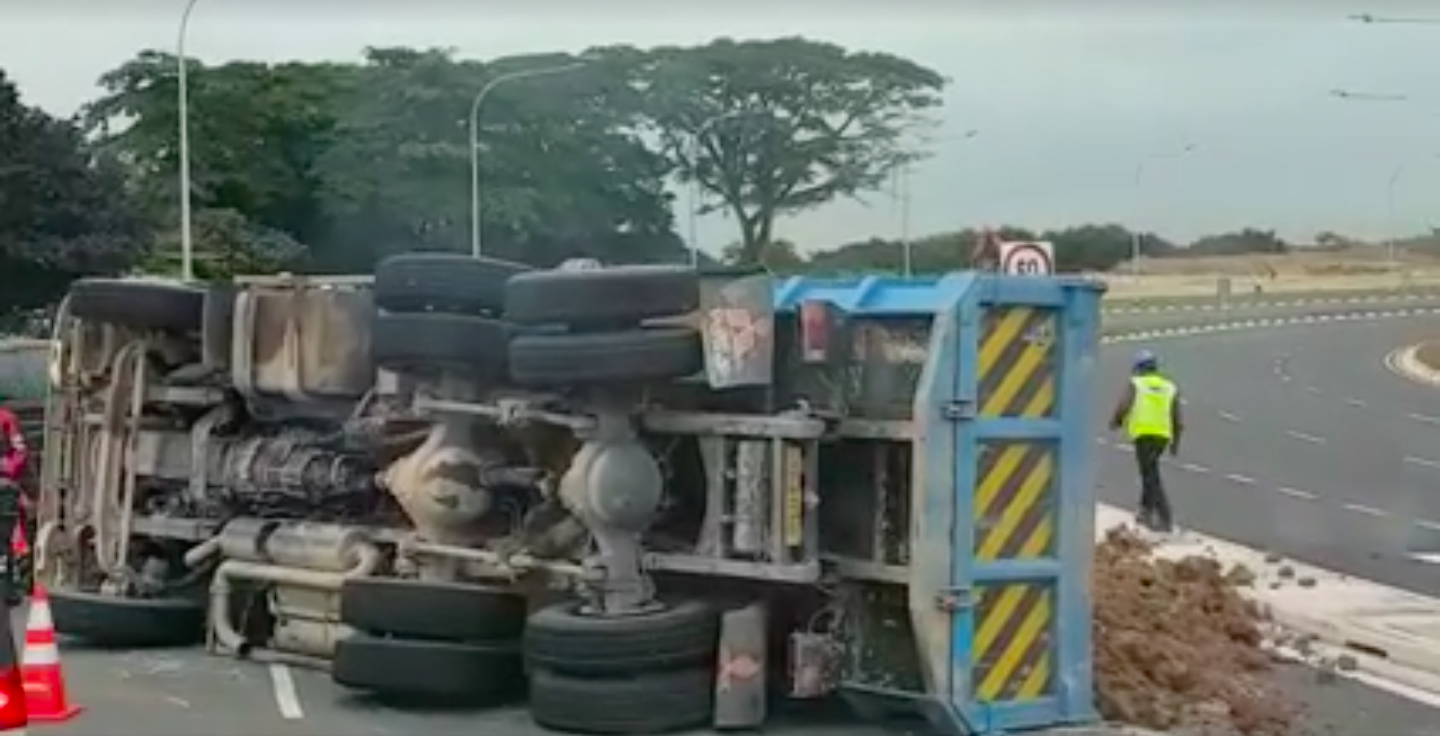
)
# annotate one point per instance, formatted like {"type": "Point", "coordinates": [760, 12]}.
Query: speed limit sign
{"type": "Point", "coordinates": [1027, 258]}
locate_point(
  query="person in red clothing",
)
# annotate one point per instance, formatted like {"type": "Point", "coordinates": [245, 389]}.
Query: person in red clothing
{"type": "Point", "coordinates": [14, 461]}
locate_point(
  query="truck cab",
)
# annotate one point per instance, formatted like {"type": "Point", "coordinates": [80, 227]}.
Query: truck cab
{"type": "Point", "coordinates": [652, 497]}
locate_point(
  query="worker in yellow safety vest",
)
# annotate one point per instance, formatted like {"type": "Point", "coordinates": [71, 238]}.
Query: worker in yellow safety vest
{"type": "Point", "coordinates": [1149, 410]}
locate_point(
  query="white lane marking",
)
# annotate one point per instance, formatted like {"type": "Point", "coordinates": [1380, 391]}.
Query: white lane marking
{"type": "Point", "coordinates": [1312, 390]}
{"type": "Point", "coordinates": [1303, 437]}
{"type": "Point", "coordinates": [1430, 557]}
{"type": "Point", "coordinates": [1227, 416]}
{"type": "Point", "coordinates": [1194, 467]}
{"type": "Point", "coordinates": [1243, 480]}
{"type": "Point", "coordinates": [1297, 493]}
{"type": "Point", "coordinates": [1426, 524]}
{"type": "Point", "coordinates": [285, 695]}
{"type": "Point", "coordinates": [1424, 462]}
{"type": "Point", "coordinates": [1424, 418]}
{"type": "Point", "coordinates": [1362, 509]}
{"type": "Point", "coordinates": [1355, 402]}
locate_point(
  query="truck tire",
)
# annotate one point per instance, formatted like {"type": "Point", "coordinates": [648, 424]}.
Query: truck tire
{"type": "Point", "coordinates": [443, 282]}
{"type": "Point", "coordinates": [415, 609]}
{"type": "Point", "coordinates": [652, 703]}
{"type": "Point", "coordinates": [128, 622]}
{"type": "Point", "coordinates": [563, 639]}
{"type": "Point", "coordinates": [145, 305]}
{"type": "Point", "coordinates": [469, 674]}
{"type": "Point", "coordinates": [624, 296]}
{"type": "Point", "coordinates": [424, 340]}
{"type": "Point", "coordinates": [653, 354]}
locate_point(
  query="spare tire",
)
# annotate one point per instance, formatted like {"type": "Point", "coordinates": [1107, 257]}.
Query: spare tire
{"type": "Point", "coordinates": [425, 340]}
{"type": "Point", "coordinates": [443, 282]}
{"type": "Point", "coordinates": [423, 609]}
{"type": "Point", "coordinates": [561, 638]}
{"type": "Point", "coordinates": [468, 674]}
{"type": "Point", "coordinates": [145, 305]}
{"type": "Point", "coordinates": [626, 295]}
{"type": "Point", "coordinates": [654, 354]}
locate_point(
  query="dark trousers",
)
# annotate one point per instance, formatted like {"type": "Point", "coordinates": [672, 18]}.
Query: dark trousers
{"type": "Point", "coordinates": [12, 584]}
{"type": "Point", "coordinates": [1154, 504]}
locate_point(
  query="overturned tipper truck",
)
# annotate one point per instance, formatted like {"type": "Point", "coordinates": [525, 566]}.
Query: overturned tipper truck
{"type": "Point", "coordinates": [640, 498]}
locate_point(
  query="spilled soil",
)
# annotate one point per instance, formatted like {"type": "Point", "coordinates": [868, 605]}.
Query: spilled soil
{"type": "Point", "coordinates": [1178, 647]}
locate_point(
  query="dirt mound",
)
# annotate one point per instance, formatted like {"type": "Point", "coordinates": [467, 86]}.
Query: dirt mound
{"type": "Point", "coordinates": [1177, 646]}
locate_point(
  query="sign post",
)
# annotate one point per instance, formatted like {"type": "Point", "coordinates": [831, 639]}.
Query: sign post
{"type": "Point", "coordinates": [1027, 258]}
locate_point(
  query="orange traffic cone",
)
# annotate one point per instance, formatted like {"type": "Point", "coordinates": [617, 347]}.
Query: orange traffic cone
{"type": "Point", "coordinates": [40, 665]}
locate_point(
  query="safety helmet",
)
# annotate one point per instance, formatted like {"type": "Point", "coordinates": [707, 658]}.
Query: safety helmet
{"type": "Point", "coordinates": [1145, 361]}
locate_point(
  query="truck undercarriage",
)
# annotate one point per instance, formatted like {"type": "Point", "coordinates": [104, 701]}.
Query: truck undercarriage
{"type": "Point", "coordinates": [652, 498]}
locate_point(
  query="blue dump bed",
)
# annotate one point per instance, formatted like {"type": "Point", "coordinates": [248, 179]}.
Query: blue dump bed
{"type": "Point", "coordinates": [1001, 508]}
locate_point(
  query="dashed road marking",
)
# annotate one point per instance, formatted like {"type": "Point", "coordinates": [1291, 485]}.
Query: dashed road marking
{"type": "Point", "coordinates": [1433, 526]}
{"type": "Point", "coordinates": [1355, 402]}
{"type": "Point", "coordinates": [1303, 437]}
{"type": "Point", "coordinates": [1194, 467]}
{"type": "Point", "coordinates": [1243, 480]}
{"type": "Point", "coordinates": [1424, 418]}
{"type": "Point", "coordinates": [1423, 462]}
{"type": "Point", "coordinates": [1296, 493]}
{"type": "Point", "coordinates": [1227, 416]}
{"type": "Point", "coordinates": [1312, 390]}
{"type": "Point", "coordinates": [1362, 509]}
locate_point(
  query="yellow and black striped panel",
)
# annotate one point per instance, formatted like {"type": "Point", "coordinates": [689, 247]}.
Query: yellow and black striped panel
{"type": "Point", "coordinates": [1015, 501]}
{"type": "Point", "coordinates": [1014, 632]}
{"type": "Point", "coordinates": [1016, 370]}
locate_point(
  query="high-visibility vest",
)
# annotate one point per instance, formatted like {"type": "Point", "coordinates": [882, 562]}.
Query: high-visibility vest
{"type": "Point", "coordinates": [1152, 411]}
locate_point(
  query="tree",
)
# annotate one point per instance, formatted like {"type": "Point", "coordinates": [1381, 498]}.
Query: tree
{"type": "Point", "coordinates": [779, 256]}
{"type": "Point", "coordinates": [63, 209]}
{"type": "Point", "coordinates": [770, 128]}
{"type": "Point", "coordinates": [563, 172]}
{"type": "Point", "coordinates": [1248, 240]}
{"type": "Point", "coordinates": [256, 132]}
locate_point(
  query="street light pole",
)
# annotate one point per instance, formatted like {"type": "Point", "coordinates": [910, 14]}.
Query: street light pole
{"type": "Point", "coordinates": [697, 191]}
{"type": "Point", "coordinates": [475, 105]}
{"type": "Point", "coordinates": [902, 187]}
{"type": "Point", "coordinates": [187, 244]}
{"type": "Point", "coordinates": [1391, 188]}
{"type": "Point", "coordinates": [1137, 236]}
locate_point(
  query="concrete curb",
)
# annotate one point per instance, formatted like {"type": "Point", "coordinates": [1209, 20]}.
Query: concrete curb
{"type": "Point", "coordinates": [1240, 304]}
{"type": "Point", "coordinates": [1406, 361]}
{"type": "Point", "coordinates": [1137, 335]}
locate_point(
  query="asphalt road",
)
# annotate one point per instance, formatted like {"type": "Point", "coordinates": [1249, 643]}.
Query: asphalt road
{"type": "Point", "coordinates": [1300, 441]}
{"type": "Point", "coordinates": [185, 692]}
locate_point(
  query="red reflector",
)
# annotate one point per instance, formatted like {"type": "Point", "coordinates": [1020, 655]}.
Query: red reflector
{"type": "Point", "coordinates": [13, 713]}
{"type": "Point", "coordinates": [814, 330]}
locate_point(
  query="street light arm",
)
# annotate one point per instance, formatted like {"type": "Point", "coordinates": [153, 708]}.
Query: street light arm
{"type": "Point", "coordinates": [182, 78]}
{"type": "Point", "coordinates": [475, 104]}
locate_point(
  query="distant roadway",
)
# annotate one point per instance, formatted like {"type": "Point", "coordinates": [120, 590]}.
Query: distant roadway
{"type": "Point", "coordinates": [1300, 441]}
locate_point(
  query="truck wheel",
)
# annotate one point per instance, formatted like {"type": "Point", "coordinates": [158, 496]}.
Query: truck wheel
{"type": "Point", "coordinates": [626, 295]}
{"type": "Point", "coordinates": [654, 354]}
{"type": "Point", "coordinates": [657, 702]}
{"type": "Point", "coordinates": [146, 305]}
{"type": "Point", "coordinates": [431, 610]}
{"type": "Point", "coordinates": [423, 340]}
{"type": "Point", "coordinates": [443, 282]}
{"type": "Point", "coordinates": [128, 622]}
{"type": "Point", "coordinates": [472, 674]}
{"type": "Point", "coordinates": [563, 639]}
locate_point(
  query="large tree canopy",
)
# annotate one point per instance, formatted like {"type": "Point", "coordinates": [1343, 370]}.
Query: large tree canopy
{"type": "Point", "coordinates": [770, 128]}
{"type": "Point", "coordinates": [63, 209]}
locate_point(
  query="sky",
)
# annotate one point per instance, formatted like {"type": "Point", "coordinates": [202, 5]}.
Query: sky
{"type": "Point", "coordinates": [1221, 111]}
